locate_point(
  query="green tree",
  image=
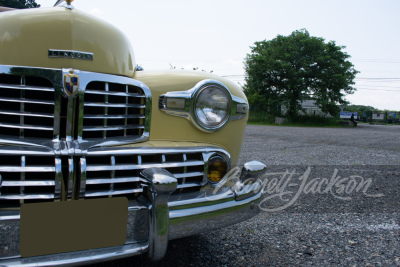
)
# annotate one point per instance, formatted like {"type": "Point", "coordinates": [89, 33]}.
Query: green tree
{"type": "Point", "coordinates": [19, 3]}
{"type": "Point", "coordinates": [289, 69]}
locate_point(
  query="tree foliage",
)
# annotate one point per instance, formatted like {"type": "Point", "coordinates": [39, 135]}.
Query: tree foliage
{"type": "Point", "coordinates": [289, 69]}
{"type": "Point", "coordinates": [19, 3]}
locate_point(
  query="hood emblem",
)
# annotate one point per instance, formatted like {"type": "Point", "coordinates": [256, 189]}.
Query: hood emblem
{"type": "Point", "coordinates": [72, 54]}
{"type": "Point", "coordinates": [71, 83]}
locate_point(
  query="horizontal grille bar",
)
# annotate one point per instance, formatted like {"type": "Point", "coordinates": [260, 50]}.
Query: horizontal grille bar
{"type": "Point", "coordinates": [144, 166]}
{"type": "Point", "coordinates": [113, 192]}
{"type": "Point", "coordinates": [25, 126]}
{"type": "Point", "coordinates": [27, 114]}
{"type": "Point", "coordinates": [113, 105]}
{"type": "Point", "coordinates": [24, 100]}
{"type": "Point", "coordinates": [26, 169]}
{"type": "Point", "coordinates": [114, 93]}
{"type": "Point", "coordinates": [29, 183]}
{"type": "Point", "coordinates": [26, 197]}
{"type": "Point", "coordinates": [115, 180]}
{"type": "Point", "coordinates": [24, 87]}
{"type": "Point", "coordinates": [113, 128]}
{"type": "Point", "coordinates": [123, 116]}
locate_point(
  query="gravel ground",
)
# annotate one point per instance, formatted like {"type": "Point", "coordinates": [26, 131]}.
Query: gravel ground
{"type": "Point", "coordinates": [355, 222]}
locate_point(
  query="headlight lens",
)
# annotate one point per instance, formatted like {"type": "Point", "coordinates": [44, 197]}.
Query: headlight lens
{"type": "Point", "coordinates": [211, 108]}
{"type": "Point", "coordinates": [217, 168]}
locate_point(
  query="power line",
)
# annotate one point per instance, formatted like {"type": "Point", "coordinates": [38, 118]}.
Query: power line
{"type": "Point", "coordinates": [377, 78]}
{"type": "Point", "coordinates": [372, 89]}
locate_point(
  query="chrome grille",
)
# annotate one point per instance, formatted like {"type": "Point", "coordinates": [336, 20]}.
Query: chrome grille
{"type": "Point", "coordinates": [113, 110]}
{"type": "Point", "coordinates": [26, 106]}
{"type": "Point", "coordinates": [29, 179]}
{"type": "Point", "coordinates": [31, 175]}
{"type": "Point", "coordinates": [120, 174]}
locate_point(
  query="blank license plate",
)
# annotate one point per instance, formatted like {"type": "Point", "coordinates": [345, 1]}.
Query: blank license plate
{"type": "Point", "coordinates": [57, 227]}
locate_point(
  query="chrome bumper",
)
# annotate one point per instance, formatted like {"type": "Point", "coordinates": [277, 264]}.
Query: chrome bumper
{"type": "Point", "coordinates": [148, 218]}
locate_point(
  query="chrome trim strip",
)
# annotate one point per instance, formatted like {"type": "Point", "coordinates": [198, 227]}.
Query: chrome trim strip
{"type": "Point", "coordinates": [190, 100]}
{"type": "Point", "coordinates": [79, 257]}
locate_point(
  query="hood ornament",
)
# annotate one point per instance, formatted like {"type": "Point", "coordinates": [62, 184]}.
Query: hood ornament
{"type": "Point", "coordinates": [68, 3]}
{"type": "Point", "coordinates": [71, 83]}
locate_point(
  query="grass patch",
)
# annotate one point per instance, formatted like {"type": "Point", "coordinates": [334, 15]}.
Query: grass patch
{"type": "Point", "coordinates": [314, 121]}
{"type": "Point", "coordinates": [263, 118]}
{"type": "Point", "coordinates": [260, 118]}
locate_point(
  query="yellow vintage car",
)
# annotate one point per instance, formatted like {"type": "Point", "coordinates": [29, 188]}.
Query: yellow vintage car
{"type": "Point", "coordinates": [100, 160]}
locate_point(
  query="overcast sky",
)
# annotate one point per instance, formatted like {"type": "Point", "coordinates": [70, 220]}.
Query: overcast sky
{"type": "Point", "coordinates": [215, 35]}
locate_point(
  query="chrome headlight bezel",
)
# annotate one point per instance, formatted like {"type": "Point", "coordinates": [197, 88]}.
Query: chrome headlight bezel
{"type": "Point", "coordinates": [202, 122]}
{"type": "Point", "coordinates": [183, 104]}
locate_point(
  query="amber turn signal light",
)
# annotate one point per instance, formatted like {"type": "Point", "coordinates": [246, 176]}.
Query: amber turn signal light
{"type": "Point", "coordinates": [217, 168]}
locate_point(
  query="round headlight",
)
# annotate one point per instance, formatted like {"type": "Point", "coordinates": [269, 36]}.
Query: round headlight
{"type": "Point", "coordinates": [212, 106]}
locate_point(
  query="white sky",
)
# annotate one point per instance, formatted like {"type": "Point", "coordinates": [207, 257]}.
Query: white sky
{"type": "Point", "coordinates": [216, 35]}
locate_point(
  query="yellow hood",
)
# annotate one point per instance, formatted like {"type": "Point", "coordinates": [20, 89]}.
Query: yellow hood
{"type": "Point", "coordinates": [27, 35]}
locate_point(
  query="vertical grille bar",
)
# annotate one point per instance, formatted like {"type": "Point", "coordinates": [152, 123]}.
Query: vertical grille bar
{"type": "Point", "coordinates": [83, 178]}
{"type": "Point", "coordinates": [126, 109]}
{"type": "Point", "coordinates": [81, 101]}
{"type": "Point", "coordinates": [184, 168]}
{"type": "Point", "coordinates": [58, 178]}
{"type": "Point", "coordinates": [22, 107]}
{"type": "Point", "coordinates": [22, 178]}
{"type": "Point", "coordinates": [70, 183]}
{"type": "Point", "coordinates": [112, 172]}
{"type": "Point", "coordinates": [105, 110]}
{"type": "Point", "coordinates": [70, 119]}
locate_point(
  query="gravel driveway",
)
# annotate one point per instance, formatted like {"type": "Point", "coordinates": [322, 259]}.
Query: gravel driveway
{"type": "Point", "coordinates": [339, 205]}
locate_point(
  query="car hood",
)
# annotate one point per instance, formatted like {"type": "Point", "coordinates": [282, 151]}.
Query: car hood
{"type": "Point", "coordinates": [26, 36]}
